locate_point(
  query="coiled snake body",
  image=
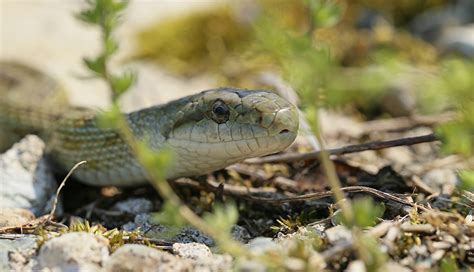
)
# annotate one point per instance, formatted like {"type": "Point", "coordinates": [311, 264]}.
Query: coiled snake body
{"type": "Point", "coordinates": [207, 131]}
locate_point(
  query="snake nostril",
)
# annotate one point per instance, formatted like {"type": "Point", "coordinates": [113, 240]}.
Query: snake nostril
{"type": "Point", "coordinates": [284, 131]}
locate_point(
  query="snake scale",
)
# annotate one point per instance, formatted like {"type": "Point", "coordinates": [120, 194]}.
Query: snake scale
{"type": "Point", "coordinates": [207, 131]}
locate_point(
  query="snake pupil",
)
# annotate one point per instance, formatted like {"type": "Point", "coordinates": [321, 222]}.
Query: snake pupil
{"type": "Point", "coordinates": [220, 112]}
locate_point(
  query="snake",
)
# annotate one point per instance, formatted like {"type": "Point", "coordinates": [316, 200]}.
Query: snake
{"type": "Point", "coordinates": [206, 131]}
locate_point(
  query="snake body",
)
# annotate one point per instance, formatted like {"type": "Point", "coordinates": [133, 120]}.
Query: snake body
{"type": "Point", "coordinates": [207, 131]}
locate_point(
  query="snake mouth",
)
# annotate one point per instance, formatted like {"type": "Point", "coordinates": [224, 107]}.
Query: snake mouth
{"type": "Point", "coordinates": [284, 131]}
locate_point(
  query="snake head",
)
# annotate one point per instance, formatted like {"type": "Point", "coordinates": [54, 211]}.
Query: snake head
{"type": "Point", "coordinates": [222, 126]}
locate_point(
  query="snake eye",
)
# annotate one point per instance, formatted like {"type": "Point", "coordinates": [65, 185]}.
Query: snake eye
{"type": "Point", "coordinates": [220, 112]}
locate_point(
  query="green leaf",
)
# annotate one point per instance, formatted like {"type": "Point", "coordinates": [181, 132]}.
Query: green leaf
{"type": "Point", "coordinates": [169, 215]}
{"type": "Point", "coordinates": [119, 5]}
{"type": "Point", "coordinates": [365, 211]}
{"type": "Point", "coordinates": [325, 13]}
{"type": "Point", "coordinates": [448, 264]}
{"type": "Point", "coordinates": [111, 46]}
{"type": "Point", "coordinates": [223, 217]}
{"type": "Point", "coordinates": [96, 65]}
{"type": "Point", "coordinates": [89, 16]}
{"type": "Point", "coordinates": [110, 119]}
{"type": "Point", "coordinates": [457, 137]}
{"type": "Point", "coordinates": [155, 161]}
{"type": "Point", "coordinates": [466, 180]}
{"type": "Point", "coordinates": [120, 84]}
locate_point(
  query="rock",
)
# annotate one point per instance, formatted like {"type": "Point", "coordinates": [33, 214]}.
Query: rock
{"type": "Point", "coordinates": [142, 221]}
{"type": "Point", "coordinates": [240, 233]}
{"type": "Point", "coordinates": [400, 156]}
{"type": "Point", "coordinates": [134, 206]}
{"type": "Point", "coordinates": [335, 124]}
{"type": "Point", "coordinates": [260, 245]}
{"type": "Point", "coordinates": [23, 246]}
{"type": "Point", "coordinates": [75, 251]}
{"type": "Point", "coordinates": [399, 100]}
{"type": "Point", "coordinates": [132, 257]}
{"type": "Point", "coordinates": [338, 233]}
{"type": "Point", "coordinates": [191, 250]}
{"type": "Point", "coordinates": [25, 178]}
{"type": "Point", "coordinates": [14, 217]}
{"type": "Point", "coordinates": [215, 263]}
{"type": "Point", "coordinates": [190, 235]}
{"type": "Point", "coordinates": [430, 24]}
{"type": "Point", "coordinates": [356, 266]}
{"type": "Point", "coordinates": [250, 266]}
{"type": "Point", "coordinates": [441, 180]}
{"type": "Point", "coordinates": [393, 266]}
{"type": "Point", "coordinates": [457, 40]}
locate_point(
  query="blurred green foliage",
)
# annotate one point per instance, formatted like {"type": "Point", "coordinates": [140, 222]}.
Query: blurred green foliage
{"type": "Point", "coordinates": [106, 15]}
{"type": "Point", "coordinates": [366, 213]}
{"type": "Point", "coordinates": [316, 47]}
{"type": "Point", "coordinates": [466, 180]}
{"type": "Point", "coordinates": [453, 89]}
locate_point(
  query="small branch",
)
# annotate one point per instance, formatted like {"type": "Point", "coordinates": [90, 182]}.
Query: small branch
{"type": "Point", "coordinates": [314, 155]}
{"type": "Point", "coordinates": [55, 203]}
{"type": "Point", "coordinates": [247, 193]}
{"type": "Point", "coordinates": [318, 195]}
{"type": "Point", "coordinates": [351, 189]}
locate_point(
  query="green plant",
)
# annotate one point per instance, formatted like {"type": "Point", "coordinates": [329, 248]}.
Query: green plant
{"type": "Point", "coordinates": [106, 14]}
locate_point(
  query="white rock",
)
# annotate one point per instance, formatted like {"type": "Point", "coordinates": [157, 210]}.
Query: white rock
{"type": "Point", "coordinates": [132, 257]}
{"type": "Point", "coordinates": [260, 245]}
{"type": "Point", "coordinates": [191, 250]}
{"type": "Point", "coordinates": [75, 251]}
{"type": "Point", "coordinates": [25, 178]}
{"type": "Point", "coordinates": [441, 180]}
{"type": "Point", "coordinates": [14, 217]}
{"type": "Point", "coordinates": [23, 245]}
{"type": "Point", "coordinates": [338, 233]}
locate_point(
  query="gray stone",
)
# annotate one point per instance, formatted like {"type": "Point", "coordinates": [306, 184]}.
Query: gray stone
{"type": "Point", "coordinates": [134, 206]}
{"type": "Point", "coordinates": [15, 244]}
{"type": "Point", "coordinates": [25, 178]}
{"type": "Point", "coordinates": [191, 250]}
{"type": "Point", "coordinates": [458, 40]}
{"type": "Point", "coordinates": [75, 251]}
{"type": "Point", "coordinates": [190, 235]}
{"type": "Point", "coordinates": [430, 24]}
{"type": "Point", "coordinates": [240, 233]}
{"type": "Point", "coordinates": [338, 233]}
{"type": "Point", "coordinates": [143, 222]}
{"type": "Point", "coordinates": [250, 266]}
{"type": "Point", "coordinates": [215, 263]}
{"type": "Point", "coordinates": [132, 257]}
{"type": "Point", "coordinates": [260, 245]}
{"type": "Point", "coordinates": [441, 180]}
{"type": "Point", "coordinates": [400, 98]}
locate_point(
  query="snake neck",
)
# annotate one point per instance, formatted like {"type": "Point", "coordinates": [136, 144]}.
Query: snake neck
{"type": "Point", "coordinates": [154, 124]}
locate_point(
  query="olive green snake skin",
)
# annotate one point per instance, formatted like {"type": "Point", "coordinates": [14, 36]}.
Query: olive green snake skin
{"type": "Point", "coordinates": [207, 131]}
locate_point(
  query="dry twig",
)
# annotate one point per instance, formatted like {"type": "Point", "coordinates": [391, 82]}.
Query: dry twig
{"type": "Point", "coordinates": [314, 155]}
{"type": "Point", "coordinates": [55, 203]}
